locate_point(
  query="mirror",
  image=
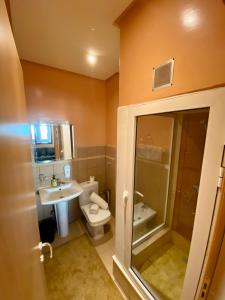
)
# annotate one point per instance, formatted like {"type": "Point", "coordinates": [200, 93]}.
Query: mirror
{"type": "Point", "coordinates": [52, 141]}
{"type": "Point", "coordinates": [168, 161]}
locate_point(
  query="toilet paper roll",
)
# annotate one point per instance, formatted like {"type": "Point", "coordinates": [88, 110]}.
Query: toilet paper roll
{"type": "Point", "coordinates": [98, 200]}
{"type": "Point", "coordinates": [93, 208]}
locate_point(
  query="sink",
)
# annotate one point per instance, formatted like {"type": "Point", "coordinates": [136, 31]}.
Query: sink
{"type": "Point", "coordinates": [59, 197]}
{"type": "Point", "coordinates": [64, 192]}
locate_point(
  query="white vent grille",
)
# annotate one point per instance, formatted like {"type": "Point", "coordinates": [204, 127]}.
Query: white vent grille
{"type": "Point", "coordinates": [163, 75]}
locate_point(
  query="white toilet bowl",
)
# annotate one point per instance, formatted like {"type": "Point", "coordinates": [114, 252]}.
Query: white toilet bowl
{"type": "Point", "coordinates": [95, 222]}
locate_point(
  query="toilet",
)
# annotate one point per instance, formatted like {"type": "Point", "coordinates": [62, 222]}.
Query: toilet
{"type": "Point", "coordinates": [95, 222]}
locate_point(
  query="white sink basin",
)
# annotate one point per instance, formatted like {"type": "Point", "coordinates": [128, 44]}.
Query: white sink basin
{"type": "Point", "coordinates": [62, 193]}
{"type": "Point", "coordinates": [59, 197]}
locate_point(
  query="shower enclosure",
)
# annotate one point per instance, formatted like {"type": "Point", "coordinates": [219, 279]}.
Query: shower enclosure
{"type": "Point", "coordinates": [168, 160]}
{"type": "Point", "coordinates": [169, 156]}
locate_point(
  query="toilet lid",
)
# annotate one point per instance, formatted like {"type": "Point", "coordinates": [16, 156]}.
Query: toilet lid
{"type": "Point", "coordinates": [100, 218]}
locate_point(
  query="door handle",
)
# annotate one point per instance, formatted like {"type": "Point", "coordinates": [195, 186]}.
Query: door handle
{"type": "Point", "coordinates": [41, 246]}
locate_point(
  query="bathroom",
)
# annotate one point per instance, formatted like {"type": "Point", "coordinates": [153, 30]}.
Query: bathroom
{"type": "Point", "coordinates": [92, 156]}
{"type": "Point", "coordinates": [112, 150]}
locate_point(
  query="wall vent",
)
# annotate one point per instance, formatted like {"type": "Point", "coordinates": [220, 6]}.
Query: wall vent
{"type": "Point", "coordinates": [163, 75]}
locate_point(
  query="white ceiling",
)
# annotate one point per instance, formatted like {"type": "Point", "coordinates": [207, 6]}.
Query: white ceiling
{"type": "Point", "coordinates": [61, 33]}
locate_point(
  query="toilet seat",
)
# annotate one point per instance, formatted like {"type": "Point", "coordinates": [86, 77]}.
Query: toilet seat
{"type": "Point", "coordinates": [102, 217]}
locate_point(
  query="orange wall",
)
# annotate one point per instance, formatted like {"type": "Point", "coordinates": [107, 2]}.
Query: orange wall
{"type": "Point", "coordinates": [152, 32]}
{"type": "Point", "coordinates": [59, 95]}
{"type": "Point", "coordinates": [112, 96]}
{"type": "Point", "coordinates": [155, 131]}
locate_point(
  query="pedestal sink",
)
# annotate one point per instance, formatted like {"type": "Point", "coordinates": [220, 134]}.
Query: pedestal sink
{"type": "Point", "coordinates": [59, 196]}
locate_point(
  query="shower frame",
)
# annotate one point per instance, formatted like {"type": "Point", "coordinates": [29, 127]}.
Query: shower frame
{"type": "Point", "coordinates": [213, 99]}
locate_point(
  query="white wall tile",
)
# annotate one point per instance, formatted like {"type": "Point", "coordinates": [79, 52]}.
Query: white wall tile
{"type": "Point", "coordinates": [47, 170]}
{"type": "Point", "coordinates": [58, 168]}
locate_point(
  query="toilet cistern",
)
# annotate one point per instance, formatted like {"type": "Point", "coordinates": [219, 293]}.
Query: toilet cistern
{"type": "Point", "coordinates": [94, 222]}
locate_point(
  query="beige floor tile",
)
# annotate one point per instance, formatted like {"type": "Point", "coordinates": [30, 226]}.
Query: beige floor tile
{"type": "Point", "coordinates": [105, 247]}
{"type": "Point", "coordinates": [75, 230]}
{"type": "Point", "coordinates": [77, 273]}
{"type": "Point", "coordinates": [165, 271]}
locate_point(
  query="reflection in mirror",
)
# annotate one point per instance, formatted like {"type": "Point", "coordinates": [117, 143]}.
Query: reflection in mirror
{"type": "Point", "coordinates": [52, 141]}
{"type": "Point", "coordinates": [168, 161]}
{"type": "Point", "coordinates": [153, 152]}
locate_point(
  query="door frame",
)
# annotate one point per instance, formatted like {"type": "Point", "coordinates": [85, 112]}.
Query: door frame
{"type": "Point", "coordinates": [214, 99]}
{"type": "Point", "coordinates": [216, 243]}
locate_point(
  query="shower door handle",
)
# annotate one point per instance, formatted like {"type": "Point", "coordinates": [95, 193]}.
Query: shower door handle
{"type": "Point", "coordinates": [125, 199]}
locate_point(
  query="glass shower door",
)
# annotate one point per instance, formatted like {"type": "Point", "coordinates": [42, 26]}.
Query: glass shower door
{"type": "Point", "coordinates": [168, 161]}
{"type": "Point", "coordinates": [154, 136]}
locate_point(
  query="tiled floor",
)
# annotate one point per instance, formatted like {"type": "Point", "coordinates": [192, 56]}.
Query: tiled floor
{"type": "Point", "coordinates": [77, 273]}
{"type": "Point", "coordinates": [75, 230]}
{"type": "Point", "coordinates": [165, 271]}
{"type": "Point", "coordinates": [105, 247]}
{"type": "Point", "coordinates": [79, 264]}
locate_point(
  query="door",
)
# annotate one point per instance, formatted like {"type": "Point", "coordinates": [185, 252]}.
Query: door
{"type": "Point", "coordinates": [21, 272]}
{"type": "Point", "coordinates": [168, 161]}
{"type": "Point", "coordinates": [149, 209]}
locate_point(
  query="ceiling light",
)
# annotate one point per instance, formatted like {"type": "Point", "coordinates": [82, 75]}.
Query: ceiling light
{"type": "Point", "coordinates": [190, 18]}
{"type": "Point", "coordinates": [91, 59]}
